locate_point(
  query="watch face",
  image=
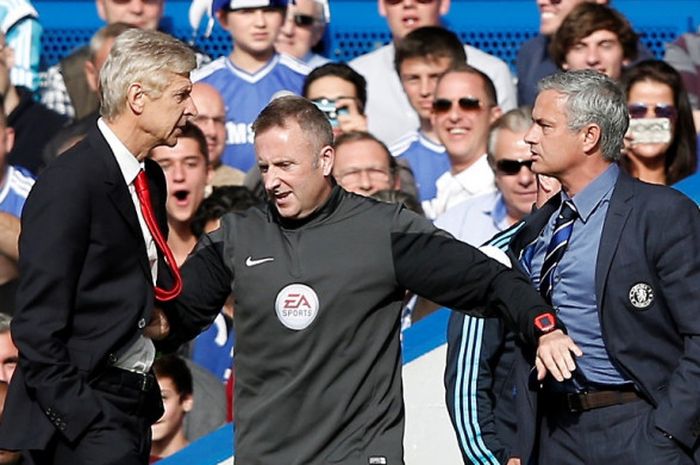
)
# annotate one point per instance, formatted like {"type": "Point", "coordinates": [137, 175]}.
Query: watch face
{"type": "Point", "coordinates": [545, 322]}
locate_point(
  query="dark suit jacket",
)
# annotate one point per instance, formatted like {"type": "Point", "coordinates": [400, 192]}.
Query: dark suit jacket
{"type": "Point", "coordinates": [651, 235]}
{"type": "Point", "coordinates": [85, 291]}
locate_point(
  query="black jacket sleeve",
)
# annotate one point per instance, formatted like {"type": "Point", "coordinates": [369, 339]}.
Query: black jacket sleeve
{"type": "Point", "coordinates": [206, 284]}
{"type": "Point", "coordinates": [434, 265]}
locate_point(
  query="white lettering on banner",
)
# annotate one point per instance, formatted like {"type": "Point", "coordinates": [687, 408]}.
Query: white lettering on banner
{"type": "Point", "coordinates": [239, 133]}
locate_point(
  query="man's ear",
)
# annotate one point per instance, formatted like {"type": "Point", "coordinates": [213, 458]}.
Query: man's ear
{"type": "Point", "coordinates": [9, 139]}
{"type": "Point", "coordinates": [444, 7]}
{"type": "Point", "coordinates": [187, 402]}
{"type": "Point", "coordinates": [496, 113]}
{"type": "Point", "coordinates": [397, 179]}
{"type": "Point", "coordinates": [222, 16]}
{"type": "Point", "coordinates": [590, 135]}
{"type": "Point", "coordinates": [381, 7]}
{"type": "Point", "coordinates": [101, 9]}
{"type": "Point", "coordinates": [136, 98]}
{"type": "Point", "coordinates": [326, 159]}
{"type": "Point", "coordinates": [91, 75]}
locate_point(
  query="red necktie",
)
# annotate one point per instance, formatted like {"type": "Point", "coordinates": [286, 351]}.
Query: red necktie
{"type": "Point", "coordinates": [141, 185]}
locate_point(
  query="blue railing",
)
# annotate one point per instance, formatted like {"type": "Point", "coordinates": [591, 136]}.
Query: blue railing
{"type": "Point", "coordinates": [495, 26]}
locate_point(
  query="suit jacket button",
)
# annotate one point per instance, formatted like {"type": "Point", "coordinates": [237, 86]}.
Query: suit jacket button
{"type": "Point", "coordinates": [142, 323]}
{"type": "Point", "coordinates": [112, 358]}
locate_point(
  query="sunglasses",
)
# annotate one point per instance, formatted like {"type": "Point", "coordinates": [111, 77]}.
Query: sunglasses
{"type": "Point", "coordinates": [639, 110]}
{"type": "Point", "coordinates": [443, 105]}
{"type": "Point", "coordinates": [396, 2]}
{"type": "Point", "coordinates": [511, 167]}
{"type": "Point", "coordinates": [302, 20]}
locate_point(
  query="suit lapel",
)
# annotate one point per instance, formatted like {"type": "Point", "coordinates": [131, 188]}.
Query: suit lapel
{"type": "Point", "coordinates": [534, 224]}
{"type": "Point", "coordinates": [618, 213]}
{"type": "Point", "coordinates": [118, 192]}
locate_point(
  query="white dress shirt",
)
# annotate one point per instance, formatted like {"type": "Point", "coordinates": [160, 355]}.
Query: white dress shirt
{"type": "Point", "coordinates": [453, 189]}
{"type": "Point", "coordinates": [140, 356]}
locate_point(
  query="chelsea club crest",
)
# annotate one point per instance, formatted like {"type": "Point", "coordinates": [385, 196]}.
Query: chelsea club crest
{"type": "Point", "coordinates": [641, 296]}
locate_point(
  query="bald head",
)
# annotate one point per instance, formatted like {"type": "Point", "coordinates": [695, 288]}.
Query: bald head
{"type": "Point", "coordinates": [211, 119]}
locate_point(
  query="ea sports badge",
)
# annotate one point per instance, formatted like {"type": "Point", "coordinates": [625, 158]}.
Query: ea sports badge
{"type": "Point", "coordinates": [641, 295]}
{"type": "Point", "coordinates": [296, 306]}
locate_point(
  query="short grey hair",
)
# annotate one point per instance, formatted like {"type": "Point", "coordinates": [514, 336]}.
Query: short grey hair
{"type": "Point", "coordinates": [146, 57]}
{"type": "Point", "coordinates": [110, 31]}
{"type": "Point", "coordinates": [515, 120]}
{"type": "Point", "coordinates": [292, 108]}
{"type": "Point", "coordinates": [593, 98]}
{"type": "Point", "coordinates": [5, 321]}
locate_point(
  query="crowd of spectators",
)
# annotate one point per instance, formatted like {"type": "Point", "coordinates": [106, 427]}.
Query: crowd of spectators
{"type": "Point", "coordinates": [424, 120]}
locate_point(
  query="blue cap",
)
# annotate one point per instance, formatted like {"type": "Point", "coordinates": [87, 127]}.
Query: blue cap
{"type": "Point", "coordinates": [242, 4]}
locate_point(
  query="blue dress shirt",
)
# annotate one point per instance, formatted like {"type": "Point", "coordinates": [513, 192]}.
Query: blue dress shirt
{"type": "Point", "coordinates": [574, 294]}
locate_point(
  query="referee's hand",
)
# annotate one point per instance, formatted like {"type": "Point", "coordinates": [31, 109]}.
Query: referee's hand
{"type": "Point", "coordinates": [554, 355]}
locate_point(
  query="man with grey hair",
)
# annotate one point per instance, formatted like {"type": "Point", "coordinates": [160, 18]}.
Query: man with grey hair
{"type": "Point", "coordinates": [319, 276]}
{"type": "Point", "coordinates": [92, 247]}
{"type": "Point", "coordinates": [620, 261]}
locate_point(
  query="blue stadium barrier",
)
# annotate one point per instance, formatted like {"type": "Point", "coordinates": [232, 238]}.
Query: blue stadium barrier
{"type": "Point", "coordinates": [357, 28]}
{"type": "Point", "coordinates": [690, 186]}
{"type": "Point", "coordinates": [213, 449]}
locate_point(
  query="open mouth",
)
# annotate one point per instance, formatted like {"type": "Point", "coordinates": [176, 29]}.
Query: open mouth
{"type": "Point", "coordinates": [181, 196]}
{"type": "Point", "coordinates": [410, 21]}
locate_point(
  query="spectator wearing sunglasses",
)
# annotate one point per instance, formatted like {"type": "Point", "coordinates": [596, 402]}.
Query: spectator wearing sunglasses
{"type": "Point", "coordinates": [508, 156]}
{"type": "Point", "coordinates": [464, 108]}
{"type": "Point", "coordinates": [303, 30]}
{"type": "Point", "coordinates": [252, 74]}
{"type": "Point", "coordinates": [388, 109]}
{"type": "Point", "coordinates": [594, 36]}
{"type": "Point", "coordinates": [661, 145]}
{"type": "Point", "coordinates": [421, 58]}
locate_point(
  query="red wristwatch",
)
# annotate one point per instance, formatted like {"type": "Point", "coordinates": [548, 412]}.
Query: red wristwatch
{"type": "Point", "coordinates": [545, 323]}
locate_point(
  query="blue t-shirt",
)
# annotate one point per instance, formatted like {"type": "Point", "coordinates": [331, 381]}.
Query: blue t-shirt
{"type": "Point", "coordinates": [245, 96]}
{"type": "Point", "coordinates": [14, 190]}
{"type": "Point", "coordinates": [428, 161]}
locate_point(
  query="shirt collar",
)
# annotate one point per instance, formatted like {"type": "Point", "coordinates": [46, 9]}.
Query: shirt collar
{"type": "Point", "coordinates": [477, 177]}
{"type": "Point", "coordinates": [426, 142]}
{"type": "Point", "coordinates": [129, 165]}
{"type": "Point", "coordinates": [499, 214]}
{"type": "Point", "coordinates": [595, 192]}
